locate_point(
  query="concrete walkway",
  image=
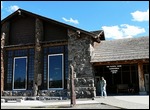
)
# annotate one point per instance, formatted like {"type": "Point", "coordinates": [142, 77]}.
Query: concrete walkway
{"type": "Point", "coordinates": [125, 102]}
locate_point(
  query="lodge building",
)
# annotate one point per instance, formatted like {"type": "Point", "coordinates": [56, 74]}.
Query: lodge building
{"type": "Point", "coordinates": [36, 49]}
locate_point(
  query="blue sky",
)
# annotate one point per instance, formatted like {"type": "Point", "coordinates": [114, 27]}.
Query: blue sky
{"type": "Point", "coordinates": [118, 19]}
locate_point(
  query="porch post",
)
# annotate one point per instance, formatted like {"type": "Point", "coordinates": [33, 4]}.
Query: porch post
{"type": "Point", "coordinates": [141, 79]}
{"type": "Point", "coordinates": [38, 54]}
{"type": "Point", "coordinates": [72, 89]}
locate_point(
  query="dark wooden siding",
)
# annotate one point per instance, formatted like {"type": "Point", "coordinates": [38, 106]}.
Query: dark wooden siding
{"type": "Point", "coordinates": [22, 30]}
{"type": "Point", "coordinates": [53, 32]}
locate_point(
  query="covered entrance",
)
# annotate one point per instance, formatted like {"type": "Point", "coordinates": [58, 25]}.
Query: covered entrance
{"type": "Point", "coordinates": [121, 78]}
{"type": "Point", "coordinates": [124, 64]}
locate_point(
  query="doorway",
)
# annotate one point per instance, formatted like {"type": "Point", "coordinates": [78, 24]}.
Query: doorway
{"type": "Point", "coordinates": [97, 85]}
{"type": "Point", "coordinates": [146, 77]}
{"type": "Point", "coordinates": [125, 74]}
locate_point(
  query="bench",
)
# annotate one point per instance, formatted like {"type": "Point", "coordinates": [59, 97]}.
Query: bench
{"type": "Point", "coordinates": [122, 88]}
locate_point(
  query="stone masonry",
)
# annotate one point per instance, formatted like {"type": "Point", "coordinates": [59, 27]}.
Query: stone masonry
{"type": "Point", "coordinates": [79, 51]}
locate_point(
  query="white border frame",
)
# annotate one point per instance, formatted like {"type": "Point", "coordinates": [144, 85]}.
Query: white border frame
{"type": "Point", "coordinates": [62, 72]}
{"type": "Point", "coordinates": [14, 72]}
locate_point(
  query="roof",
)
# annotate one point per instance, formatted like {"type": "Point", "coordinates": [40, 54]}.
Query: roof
{"type": "Point", "coordinates": [121, 49]}
{"type": "Point", "coordinates": [21, 11]}
{"type": "Point", "coordinates": [102, 37]}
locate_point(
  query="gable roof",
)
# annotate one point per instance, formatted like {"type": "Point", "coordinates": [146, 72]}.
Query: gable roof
{"type": "Point", "coordinates": [122, 49]}
{"type": "Point", "coordinates": [21, 11]}
{"type": "Point", "coordinates": [99, 32]}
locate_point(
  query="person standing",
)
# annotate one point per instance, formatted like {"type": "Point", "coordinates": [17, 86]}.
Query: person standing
{"type": "Point", "coordinates": [103, 87]}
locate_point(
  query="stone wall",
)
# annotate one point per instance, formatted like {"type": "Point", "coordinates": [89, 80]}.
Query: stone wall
{"type": "Point", "coordinates": [51, 93]}
{"type": "Point", "coordinates": [79, 51]}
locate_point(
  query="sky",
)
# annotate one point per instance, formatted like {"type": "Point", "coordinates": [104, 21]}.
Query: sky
{"type": "Point", "coordinates": [118, 19]}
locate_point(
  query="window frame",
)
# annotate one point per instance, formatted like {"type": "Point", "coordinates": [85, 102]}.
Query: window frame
{"type": "Point", "coordinates": [14, 72]}
{"type": "Point", "coordinates": [62, 55]}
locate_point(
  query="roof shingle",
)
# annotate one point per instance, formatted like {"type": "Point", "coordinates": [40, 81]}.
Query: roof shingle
{"type": "Point", "coordinates": [121, 49]}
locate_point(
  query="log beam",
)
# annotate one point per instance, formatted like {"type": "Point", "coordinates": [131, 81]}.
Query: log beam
{"type": "Point", "coordinates": [141, 79]}
{"type": "Point", "coordinates": [4, 42]}
{"type": "Point", "coordinates": [72, 89]}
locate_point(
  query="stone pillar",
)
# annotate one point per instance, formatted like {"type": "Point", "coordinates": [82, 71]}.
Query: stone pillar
{"type": "Point", "coordinates": [38, 53]}
{"type": "Point", "coordinates": [2, 61]}
{"type": "Point", "coordinates": [4, 41]}
{"type": "Point", "coordinates": [79, 52]}
{"type": "Point", "coordinates": [141, 79]}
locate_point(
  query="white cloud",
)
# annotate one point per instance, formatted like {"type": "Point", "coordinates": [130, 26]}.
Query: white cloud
{"type": "Point", "coordinates": [1, 5]}
{"type": "Point", "coordinates": [140, 16]}
{"type": "Point", "coordinates": [122, 31]}
{"type": "Point", "coordinates": [13, 8]}
{"type": "Point", "coordinates": [71, 20]}
{"type": "Point", "coordinates": [112, 32]}
{"type": "Point", "coordinates": [131, 30]}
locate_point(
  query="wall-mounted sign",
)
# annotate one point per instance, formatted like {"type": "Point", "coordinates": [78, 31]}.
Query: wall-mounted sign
{"type": "Point", "coordinates": [114, 68]}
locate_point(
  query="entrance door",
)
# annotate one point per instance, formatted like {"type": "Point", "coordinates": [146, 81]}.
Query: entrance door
{"type": "Point", "coordinates": [146, 76]}
{"type": "Point", "coordinates": [97, 85]}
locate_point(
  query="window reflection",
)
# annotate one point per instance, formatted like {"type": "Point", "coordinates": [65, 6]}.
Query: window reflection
{"type": "Point", "coordinates": [55, 70]}
{"type": "Point", "coordinates": [20, 71]}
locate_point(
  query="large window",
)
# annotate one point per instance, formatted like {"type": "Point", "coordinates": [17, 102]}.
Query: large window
{"type": "Point", "coordinates": [55, 71]}
{"type": "Point", "coordinates": [20, 73]}
{"type": "Point", "coordinates": [14, 57]}
{"type": "Point", "coordinates": [53, 55]}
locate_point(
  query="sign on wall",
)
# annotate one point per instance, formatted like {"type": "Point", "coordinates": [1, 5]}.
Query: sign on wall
{"type": "Point", "coordinates": [114, 68]}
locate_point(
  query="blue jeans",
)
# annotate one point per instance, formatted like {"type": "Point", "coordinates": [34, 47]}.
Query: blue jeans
{"type": "Point", "coordinates": [103, 92]}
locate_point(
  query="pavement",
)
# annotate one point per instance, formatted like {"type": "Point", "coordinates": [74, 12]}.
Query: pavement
{"type": "Point", "coordinates": [110, 102]}
{"type": "Point", "coordinates": [127, 102]}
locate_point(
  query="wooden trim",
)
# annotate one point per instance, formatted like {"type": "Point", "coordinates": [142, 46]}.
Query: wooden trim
{"type": "Point", "coordinates": [19, 47]}
{"type": "Point", "coordinates": [121, 62]}
{"type": "Point", "coordinates": [55, 43]}
{"type": "Point", "coordinates": [43, 44]}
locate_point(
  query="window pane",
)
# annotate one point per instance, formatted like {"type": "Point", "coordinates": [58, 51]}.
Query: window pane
{"type": "Point", "coordinates": [30, 72]}
{"type": "Point", "coordinates": [55, 67]}
{"type": "Point", "coordinates": [20, 73]}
